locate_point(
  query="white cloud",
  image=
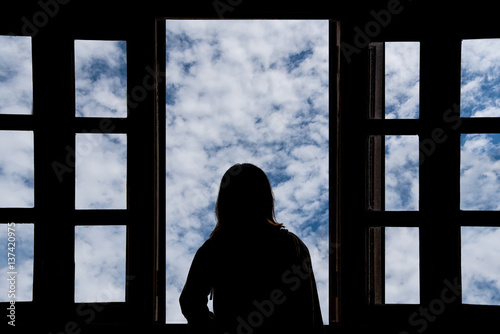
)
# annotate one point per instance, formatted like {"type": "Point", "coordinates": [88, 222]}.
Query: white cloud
{"type": "Point", "coordinates": [16, 169]}
{"type": "Point", "coordinates": [481, 265]}
{"type": "Point", "coordinates": [401, 173]}
{"type": "Point", "coordinates": [100, 257]}
{"type": "Point", "coordinates": [101, 171]}
{"type": "Point", "coordinates": [100, 78]}
{"type": "Point", "coordinates": [480, 78]}
{"type": "Point", "coordinates": [402, 283]}
{"type": "Point", "coordinates": [16, 77]}
{"type": "Point", "coordinates": [402, 79]}
{"type": "Point", "coordinates": [480, 172]}
{"type": "Point", "coordinates": [238, 97]}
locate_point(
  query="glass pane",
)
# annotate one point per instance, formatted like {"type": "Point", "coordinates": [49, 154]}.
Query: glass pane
{"type": "Point", "coordinates": [402, 278]}
{"type": "Point", "coordinates": [402, 79]}
{"type": "Point", "coordinates": [16, 169]}
{"type": "Point", "coordinates": [480, 265]}
{"type": "Point", "coordinates": [480, 82]}
{"type": "Point", "coordinates": [100, 261]}
{"type": "Point", "coordinates": [101, 171]}
{"type": "Point", "coordinates": [401, 173]}
{"type": "Point", "coordinates": [17, 243]}
{"type": "Point", "coordinates": [480, 172]}
{"type": "Point", "coordinates": [246, 91]}
{"type": "Point", "coordinates": [101, 78]}
{"type": "Point", "coordinates": [16, 75]}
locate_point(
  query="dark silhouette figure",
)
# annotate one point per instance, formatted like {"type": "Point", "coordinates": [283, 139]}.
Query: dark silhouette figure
{"type": "Point", "coordinates": [259, 274]}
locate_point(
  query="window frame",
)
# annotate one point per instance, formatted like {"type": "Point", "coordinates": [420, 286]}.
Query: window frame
{"type": "Point", "coordinates": [439, 217]}
{"type": "Point", "coordinates": [55, 131]}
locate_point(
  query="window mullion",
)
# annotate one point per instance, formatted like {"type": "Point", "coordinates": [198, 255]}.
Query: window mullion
{"type": "Point", "coordinates": [439, 167]}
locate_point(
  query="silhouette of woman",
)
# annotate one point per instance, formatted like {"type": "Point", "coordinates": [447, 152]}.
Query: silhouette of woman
{"type": "Point", "coordinates": [259, 274]}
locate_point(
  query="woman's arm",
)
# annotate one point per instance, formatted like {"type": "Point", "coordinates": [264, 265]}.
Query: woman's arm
{"type": "Point", "coordinates": [194, 296]}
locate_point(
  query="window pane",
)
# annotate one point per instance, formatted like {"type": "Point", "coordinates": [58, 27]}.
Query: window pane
{"type": "Point", "coordinates": [16, 169]}
{"type": "Point", "coordinates": [101, 78]}
{"type": "Point", "coordinates": [402, 79]}
{"type": "Point", "coordinates": [16, 281]}
{"type": "Point", "coordinates": [481, 265]}
{"type": "Point", "coordinates": [16, 77]}
{"type": "Point", "coordinates": [479, 172]}
{"type": "Point", "coordinates": [100, 261]}
{"type": "Point", "coordinates": [401, 173]}
{"type": "Point", "coordinates": [402, 278]}
{"type": "Point", "coordinates": [246, 91]}
{"type": "Point", "coordinates": [480, 82]}
{"type": "Point", "coordinates": [101, 171]}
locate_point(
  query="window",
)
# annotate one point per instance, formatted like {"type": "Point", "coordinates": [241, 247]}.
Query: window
{"type": "Point", "coordinates": [63, 176]}
{"type": "Point", "coordinates": [245, 91]}
{"type": "Point", "coordinates": [431, 183]}
{"type": "Point", "coordinates": [17, 175]}
{"type": "Point", "coordinates": [100, 160]}
{"type": "Point", "coordinates": [479, 172]}
{"type": "Point", "coordinates": [393, 174]}
{"type": "Point", "coordinates": [435, 231]}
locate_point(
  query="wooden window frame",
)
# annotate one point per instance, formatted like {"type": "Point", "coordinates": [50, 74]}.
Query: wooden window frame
{"type": "Point", "coordinates": [55, 127]}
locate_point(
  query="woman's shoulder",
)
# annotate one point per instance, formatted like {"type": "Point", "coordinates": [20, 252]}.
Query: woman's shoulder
{"type": "Point", "coordinates": [297, 243]}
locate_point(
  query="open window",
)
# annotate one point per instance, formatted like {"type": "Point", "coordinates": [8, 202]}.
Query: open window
{"type": "Point", "coordinates": [246, 91]}
{"type": "Point", "coordinates": [392, 174]}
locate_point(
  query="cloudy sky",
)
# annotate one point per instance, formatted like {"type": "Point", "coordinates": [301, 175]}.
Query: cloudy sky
{"type": "Point", "coordinates": [100, 263]}
{"type": "Point", "coordinates": [402, 85]}
{"type": "Point", "coordinates": [101, 78]}
{"type": "Point", "coordinates": [480, 170]}
{"type": "Point", "coordinates": [402, 79]}
{"type": "Point", "coordinates": [246, 91]}
{"type": "Point", "coordinates": [100, 170]}
{"type": "Point", "coordinates": [16, 90]}
{"type": "Point", "coordinates": [251, 91]}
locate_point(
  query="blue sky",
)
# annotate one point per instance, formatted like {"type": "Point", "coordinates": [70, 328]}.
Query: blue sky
{"type": "Point", "coordinates": [252, 91]}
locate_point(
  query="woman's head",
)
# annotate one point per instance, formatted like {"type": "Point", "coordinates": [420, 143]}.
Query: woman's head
{"type": "Point", "coordinates": [245, 199]}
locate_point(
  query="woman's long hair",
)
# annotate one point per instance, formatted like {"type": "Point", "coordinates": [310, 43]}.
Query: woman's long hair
{"type": "Point", "coordinates": [245, 200]}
